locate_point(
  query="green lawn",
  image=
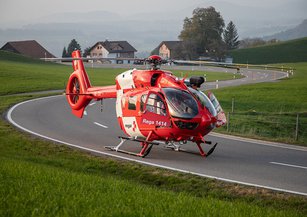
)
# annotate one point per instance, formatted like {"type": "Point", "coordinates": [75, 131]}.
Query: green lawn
{"type": "Point", "coordinates": [283, 52]}
{"type": "Point", "coordinates": [269, 110]}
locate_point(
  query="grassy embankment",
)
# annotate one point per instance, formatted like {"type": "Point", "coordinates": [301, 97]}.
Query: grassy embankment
{"type": "Point", "coordinates": [269, 110]}
{"type": "Point", "coordinates": [38, 178]}
{"type": "Point", "coordinates": [284, 52]}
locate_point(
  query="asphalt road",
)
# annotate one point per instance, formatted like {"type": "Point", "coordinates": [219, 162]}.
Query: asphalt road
{"type": "Point", "coordinates": [251, 162]}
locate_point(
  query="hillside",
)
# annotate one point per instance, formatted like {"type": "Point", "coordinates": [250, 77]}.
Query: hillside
{"type": "Point", "coordinates": [299, 31]}
{"type": "Point", "coordinates": [284, 52]}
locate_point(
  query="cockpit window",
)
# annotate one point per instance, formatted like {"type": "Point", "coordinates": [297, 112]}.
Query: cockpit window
{"type": "Point", "coordinates": [205, 101]}
{"type": "Point", "coordinates": [180, 103]}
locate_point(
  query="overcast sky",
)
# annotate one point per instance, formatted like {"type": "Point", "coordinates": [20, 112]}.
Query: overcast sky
{"type": "Point", "coordinates": [14, 11]}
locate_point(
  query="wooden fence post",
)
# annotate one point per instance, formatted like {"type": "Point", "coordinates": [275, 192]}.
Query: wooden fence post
{"type": "Point", "coordinates": [228, 118]}
{"type": "Point", "coordinates": [297, 127]}
{"type": "Point", "coordinates": [233, 104]}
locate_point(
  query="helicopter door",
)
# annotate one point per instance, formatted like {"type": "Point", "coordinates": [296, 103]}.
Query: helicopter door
{"type": "Point", "coordinates": [221, 117]}
{"type": "Point", "coordinates": [154, 111]}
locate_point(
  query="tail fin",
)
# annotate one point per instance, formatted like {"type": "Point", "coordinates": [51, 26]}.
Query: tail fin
{"type": "Point", "coordinates": [77, 64]}
{"type": "Point", "coordinates": [77, 86]}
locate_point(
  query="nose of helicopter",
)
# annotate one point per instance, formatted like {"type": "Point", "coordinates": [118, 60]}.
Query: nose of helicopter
{"type": "Point", "coordinates": [207, 122]}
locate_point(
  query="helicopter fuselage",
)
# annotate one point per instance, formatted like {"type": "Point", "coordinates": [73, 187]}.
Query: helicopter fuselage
{"type": "Point", "coordinates": [150, 105]}
{"type": "Point", "coordinates": [156, 101]}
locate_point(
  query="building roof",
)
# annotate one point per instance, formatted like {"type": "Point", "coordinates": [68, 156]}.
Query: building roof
{"type": "Point", "coordinates": [29, 48]}
{"type": "Point", "coordinates": [170, 44]}
{"type": "Point", "coordinates": [116, 46]}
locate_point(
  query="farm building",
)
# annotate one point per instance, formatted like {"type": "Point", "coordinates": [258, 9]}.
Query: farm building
{"type": "Point", "coordinates": [113, 49]}
{"type": "Point", "coordinates": [30, 48]}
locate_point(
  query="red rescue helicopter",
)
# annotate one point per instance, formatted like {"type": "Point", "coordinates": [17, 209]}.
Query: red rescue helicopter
{"type": "Point", "coordinates": [151, 105]}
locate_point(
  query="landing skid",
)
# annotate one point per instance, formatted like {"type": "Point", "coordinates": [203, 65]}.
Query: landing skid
{"type": "Point", "coordinates": [147, 146]}
{"type": "Point", "coordinates": [175, 147]}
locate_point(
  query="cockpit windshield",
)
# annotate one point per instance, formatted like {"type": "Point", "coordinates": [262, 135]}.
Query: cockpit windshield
{"type": "Point", "coordinates": [180, 103]}
{"type": "Point", "coordinates": [204, 100]}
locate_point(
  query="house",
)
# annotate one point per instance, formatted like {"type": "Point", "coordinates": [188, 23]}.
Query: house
{"type": "Point", "coordinates": [113, 49]}
{"type": "Point", "coordinates": [167, 49]}
{"type": "Point", "coordinates": [29, 48]}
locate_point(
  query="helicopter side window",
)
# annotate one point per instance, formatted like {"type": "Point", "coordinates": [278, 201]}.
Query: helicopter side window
{"type": "Point", "coordinates": [204, 100]}
{"type": "Point", "coordinates": [215, 102]}
{"type": "Point", "coordinates": [143, 101]}
{"type": "Point", "coordinates": [155, 104]}
{"type": "Point", "coordinates": [132, 103]}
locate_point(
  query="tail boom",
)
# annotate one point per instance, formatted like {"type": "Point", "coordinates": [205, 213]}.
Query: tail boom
{"type": "Point", "coordinates": [79, 91]}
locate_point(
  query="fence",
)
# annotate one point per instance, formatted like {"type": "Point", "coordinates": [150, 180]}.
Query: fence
{"type": "Point", "coordinates": [289, 127]}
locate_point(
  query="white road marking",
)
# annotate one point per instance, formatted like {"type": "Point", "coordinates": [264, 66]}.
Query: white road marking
{"type": "Point", "coordinates": [289, 165]}
{"type": "Point", "coordinates": [93, 103]}
{"type": "Point", "coordinates": [9, 117]}
{"type": "Point", "coordinates": [259, 142]}
{"type": "Point", "coordinates": [85, 112]}
{"type": "Point", "coordinates": [101, 125]}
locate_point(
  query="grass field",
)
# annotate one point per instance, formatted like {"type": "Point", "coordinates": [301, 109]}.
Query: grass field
{"type": "Point", "coordinates": [39, 178]}
{"type": "Point", "coordinates": [283, 52]}
{"type": "Point", "coordinates": [269, 110]}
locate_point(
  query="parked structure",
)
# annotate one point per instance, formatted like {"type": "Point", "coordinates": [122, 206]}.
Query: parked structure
{"type": "Point", "coordinates": [29, 48]}
{"type": "Point", "coordinates": [113, 49]}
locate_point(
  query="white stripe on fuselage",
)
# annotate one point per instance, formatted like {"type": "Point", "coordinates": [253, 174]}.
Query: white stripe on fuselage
{"type": "Point", "coordinates": [125, 80]}
{"type": "Point", "coordinates": [119, 96]}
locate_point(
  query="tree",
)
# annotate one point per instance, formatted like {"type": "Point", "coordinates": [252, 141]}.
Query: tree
{"type": "Point", "coordinates": [64, 53]}
{"type": "Point", "coordinates": [231, 36]}
{"type": "Point", "coordinates": [73, 45]}
{"type": "Point", "coordinates": [86, 52]}
{"type": "Point", "coordinates": [203, 32]}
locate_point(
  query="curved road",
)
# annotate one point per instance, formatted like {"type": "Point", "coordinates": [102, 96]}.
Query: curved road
{"type": "Point", "coordinates": [251, 162]}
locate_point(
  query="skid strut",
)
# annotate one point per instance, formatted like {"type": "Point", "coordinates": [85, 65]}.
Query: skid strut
{"type": "Point", "coordinates": [146, 146]}
{"type": "Point", "coordinates": [201, 151]}
{"type": "Point", "coordinates": [175, 147]}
